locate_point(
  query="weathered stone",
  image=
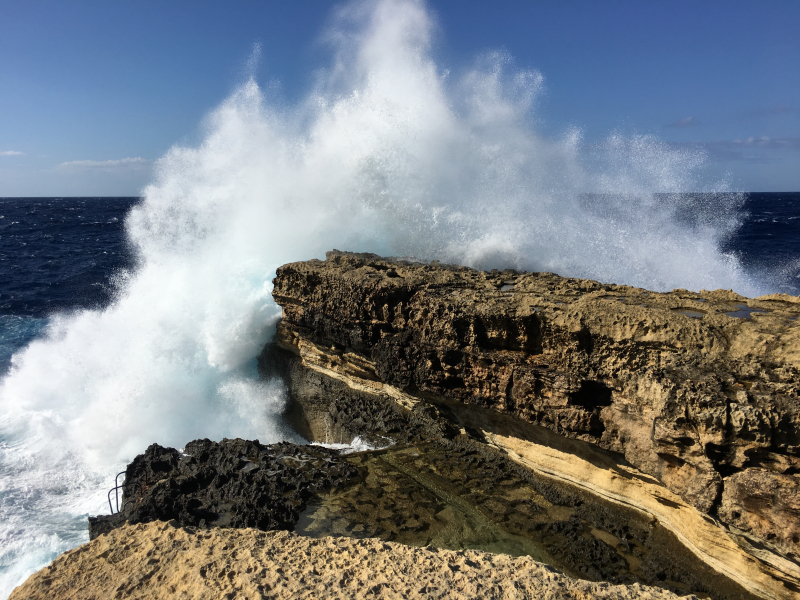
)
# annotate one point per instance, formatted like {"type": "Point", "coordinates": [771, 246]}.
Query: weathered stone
{"type": "Point", "coordinates": [165, 561]}
{"type": "Point", "coordinates": [765, 505]}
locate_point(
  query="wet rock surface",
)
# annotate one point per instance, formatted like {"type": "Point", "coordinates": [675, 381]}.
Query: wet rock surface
{"type": "Point", "coordinates": [699, 390]}
{"type": "Point", "coordinates": [232, 483]}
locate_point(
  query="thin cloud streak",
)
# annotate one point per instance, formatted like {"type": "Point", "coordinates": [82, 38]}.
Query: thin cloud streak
{"type": "Point", "coordinates": [789, 143]}
{"type": "Point", "coordinates": [780, 109]}
{"type": "Point", "coordinates": [132, 163]}
{"type": "Point", "coordinates": [11, 153]}
{"type": "Point", "coordinates": [681, 123]}
{"type": "Point", "coordinates": [746, 150]}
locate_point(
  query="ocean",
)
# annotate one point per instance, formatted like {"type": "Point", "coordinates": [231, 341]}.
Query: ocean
{"type": "Point", "coordinates": [126, 322]}
{"type": "Point", "coordinates": [61, 257]}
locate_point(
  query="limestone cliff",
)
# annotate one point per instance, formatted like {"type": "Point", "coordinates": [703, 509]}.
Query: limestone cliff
{"type": "Point", "coordinates": [698, 391]}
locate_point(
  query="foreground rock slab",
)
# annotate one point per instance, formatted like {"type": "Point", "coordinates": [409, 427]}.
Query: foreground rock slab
{"type": "Point", "coordinates": [164, 560]}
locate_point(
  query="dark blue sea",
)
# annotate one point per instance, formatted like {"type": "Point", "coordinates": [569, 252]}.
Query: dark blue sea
{"type": "Point", "coordinates": [56, 254]}
{"type": "Point", "coordinates": [61, 254]}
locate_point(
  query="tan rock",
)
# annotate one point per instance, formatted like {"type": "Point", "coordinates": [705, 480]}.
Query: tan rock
{"type": "Point", "coordinates": [684, 390]}
{"type": "Point", "coordinates": [781, 298]}
{"type": "Point", "coordinates": [761, 570]}
{"type": "Point", "coordinates": [159, 560]}
{"type": "Point", "coordinates": [765, 505]}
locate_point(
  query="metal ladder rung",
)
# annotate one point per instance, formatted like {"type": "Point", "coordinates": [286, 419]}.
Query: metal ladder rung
{"type": "Point", "coordinates": [115, 489]}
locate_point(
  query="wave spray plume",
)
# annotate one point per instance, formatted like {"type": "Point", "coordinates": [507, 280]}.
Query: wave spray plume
{"type": "Point", "coordinates": [389, 153]}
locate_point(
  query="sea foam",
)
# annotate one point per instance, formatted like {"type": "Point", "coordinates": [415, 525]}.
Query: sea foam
{"type": "Point", "coordinates": [388, 153]}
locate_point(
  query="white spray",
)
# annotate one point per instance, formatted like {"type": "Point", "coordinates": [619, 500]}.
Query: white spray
{"type": "Point", "coordinates": [389, 154]}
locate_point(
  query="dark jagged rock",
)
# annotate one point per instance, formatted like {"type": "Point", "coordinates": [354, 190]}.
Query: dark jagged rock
{"type": "Point", "coordinates": [232, 483]}
{"type": "Point", "coordinates": [104, 524]}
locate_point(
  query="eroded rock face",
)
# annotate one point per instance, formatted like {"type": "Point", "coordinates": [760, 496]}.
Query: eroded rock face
{"type": "Point", "coordinates": [702, 400]}
{"type": "Point", "coordinates": [449, 493]}
{"type": "Point", "coordinates": [757, 501]}
{"type": "Point", "coordinates": [232, 483]}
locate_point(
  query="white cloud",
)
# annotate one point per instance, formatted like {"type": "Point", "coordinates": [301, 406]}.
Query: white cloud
{"type": "Point", "coordinates": [11, 153]}
{"type": "Point", "coordinates": [686, 122]}
{"type": "Point", "coordinates": [750, 150]}
{"type": "Point", "coordinates": [764, 142]}
{"type": "Point", "coordinates": [108, 165]}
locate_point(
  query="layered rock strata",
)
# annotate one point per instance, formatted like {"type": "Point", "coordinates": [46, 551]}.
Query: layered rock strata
{"type": "Point", "coordinates": [459, 493]}
{"type": "Point", "coordinates": [233, 483]}
{"type": "Point", "coordinates": [695, 395]}
{"type": "Point", "coordinates": [163, 560]}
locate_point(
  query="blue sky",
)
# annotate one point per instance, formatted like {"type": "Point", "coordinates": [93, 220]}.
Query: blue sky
{"type": "Point", "coordinates": [92, 92]}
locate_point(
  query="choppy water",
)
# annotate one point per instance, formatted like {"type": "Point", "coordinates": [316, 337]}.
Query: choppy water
{"type": "Point", "coordinates": [56, 255]}
{"type": "Point", "coordinates": [768, 243]}
{"type": "Point", "coordinates": [145, 328]}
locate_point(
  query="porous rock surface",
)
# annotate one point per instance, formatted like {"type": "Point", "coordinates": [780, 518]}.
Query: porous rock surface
{"type": "Point", "coordinates": [699, 390]}
{"type": "Point", "coordinates": [164, 560]}
{"type": "Point", "coordinates": [232, 483]}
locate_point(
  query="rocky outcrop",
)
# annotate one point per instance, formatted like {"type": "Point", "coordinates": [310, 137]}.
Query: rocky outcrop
{"type": "Point", "coordinates": [697, 393]}
{"type": "Point", "coordinates": [233, 483]}
{"type": "Point", "coordinates": [164, 560]}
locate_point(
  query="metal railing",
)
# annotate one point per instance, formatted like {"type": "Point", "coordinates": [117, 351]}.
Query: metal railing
{"type": "Point", "coordinates": [115, 489]}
